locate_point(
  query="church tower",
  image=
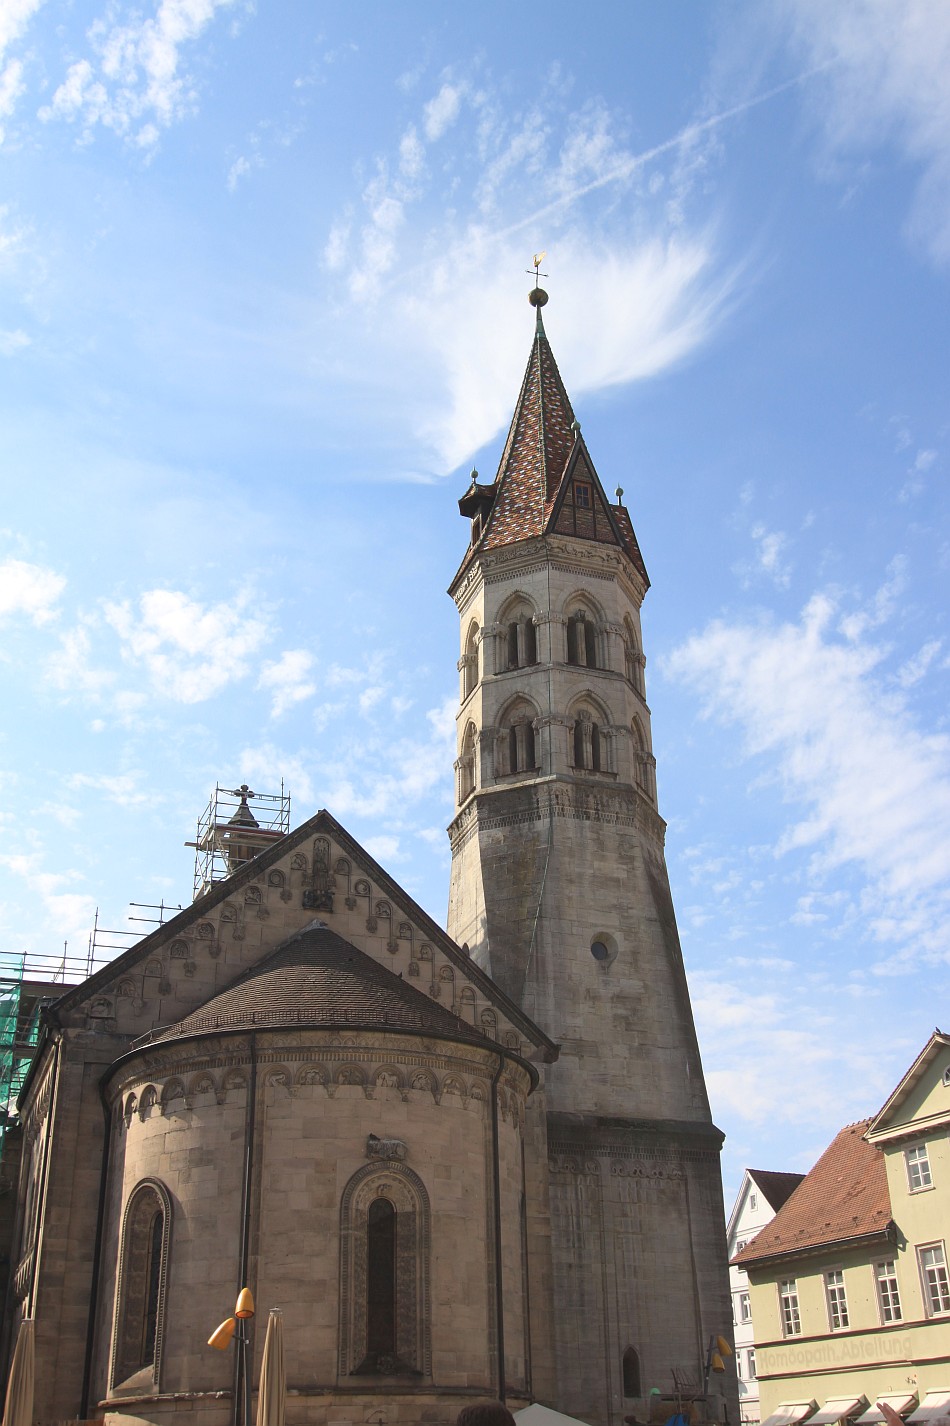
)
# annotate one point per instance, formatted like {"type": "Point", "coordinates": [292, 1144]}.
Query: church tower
{"type": "Point", "coordinates": [560, 892]}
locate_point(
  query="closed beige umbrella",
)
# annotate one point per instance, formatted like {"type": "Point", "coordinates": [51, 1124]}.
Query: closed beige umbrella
{"type": "Point", "coordinates": [272, 1393]}
{"type": "Point", "coordinates": [18, 1408]}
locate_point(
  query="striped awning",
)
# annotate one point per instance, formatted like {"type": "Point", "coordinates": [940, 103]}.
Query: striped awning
{"type": "Point", "coordinates": [901, 1404]}
{"type": "Point", "coordinates": [933, 1410]}
{"type": "Point", "coordinates": [790, 1413]}
{"type": "Point", "coordinates": [839, 1408]}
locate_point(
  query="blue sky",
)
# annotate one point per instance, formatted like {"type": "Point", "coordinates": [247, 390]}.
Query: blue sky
{"type": "Point", "coordinates": [262, 308]}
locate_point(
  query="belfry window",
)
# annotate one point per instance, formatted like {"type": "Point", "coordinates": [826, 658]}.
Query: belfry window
{"type": "Point", "coordinates": [582, 640]}
{"type": "Point", "coordinates": [521, 747]}
{"type": "Point", "coordinates": [522, 645]}
{"type": "Point", "coordinates": [589, 749]}
{"type": "Point", "coordinates": [468, 663]}
{"type": "Point", "coordinates": [466, 764]}
{"type": "Point", "coordinates": [140, 1299]}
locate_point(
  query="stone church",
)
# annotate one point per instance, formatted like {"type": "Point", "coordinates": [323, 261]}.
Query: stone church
{"type": "Point", "coordinates": [464, 1162]}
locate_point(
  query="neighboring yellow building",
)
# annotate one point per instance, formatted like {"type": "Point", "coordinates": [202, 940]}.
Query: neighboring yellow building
{"type": "Point", "coordinates": [850, 1281]}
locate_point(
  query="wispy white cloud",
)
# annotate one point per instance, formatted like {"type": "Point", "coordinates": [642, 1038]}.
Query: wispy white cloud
{"type": "Point", "coordinates": [30, 590]}
{"type": "Point", "coordinates": [885, 81]}
{"type": "Point", "coordinates": [12, 342]}
{"type": "Point", "coordinates": [442, 111]}
{"type": "Point", "coordinates": [874, 788]}
{"type": "Point", "coordinates": [191, 651]}
{"type": "Point", "coordinates": [15, 16]}
{"type": "Point", "coordinates": [136, 83]}
{"type": "Point", "coordinates": [125, 788]}
{"type": "Point", "coordinates": [289, 680]}
{"type": "Point", "coordinates": [769, 559]}
{"type": "Point", "coordinates": [68, 913]}
{"type": "Point", "coordinates": [653, 284]}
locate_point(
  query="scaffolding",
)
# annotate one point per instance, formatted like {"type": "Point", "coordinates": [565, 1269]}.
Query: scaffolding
{"type": "Point", "coordinates": [230, 834]}
{"type": "Point", "coordinates": [31, 981]}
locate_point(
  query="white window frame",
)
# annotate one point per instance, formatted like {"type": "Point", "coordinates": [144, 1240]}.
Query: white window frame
{"type": "Point", "coordinates": [919, 1176]}
{"type": "Point", "coordinates": [888, 1291]}
{"type": "Point", "coordinates": [836, 1297]}
{"type": "Point", "coordinates": [750, 1364]}
{"type": "Point", "coordinates": [789, 1308]}
{"type": "Point", "coordinates": [745, 1307]}
{"type": "Point", "coordinates": [939, 1285]}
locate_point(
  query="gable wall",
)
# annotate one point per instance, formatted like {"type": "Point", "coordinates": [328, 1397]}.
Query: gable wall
{"type": "Point", "coordinates": [204, 950]}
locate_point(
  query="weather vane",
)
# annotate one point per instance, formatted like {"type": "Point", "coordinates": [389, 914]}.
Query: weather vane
{"type": "Point", "coordinates": [535, 267]}
{"type": "Point", "coordinates": [538, 296]}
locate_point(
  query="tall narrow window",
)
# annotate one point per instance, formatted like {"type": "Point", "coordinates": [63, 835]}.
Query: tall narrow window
{"type": "Point", "coordinates": [788, 1305]}
{"type": "Point", "coordinates": [466, 764]}
{"type": "Point", "coordinates": [140, 1298]}
{"type": "Point", "coordinates": [837, 1300]}
{"type": "Point", "coordinates": [521, 644]}
{"type": "Point", "coordinates": [888, 1294]}
{"type": "Point", "coordinates": [918, 1168]}
{"type": "Point", "coordinates": [470, 662]}
{"type": "Point", "coordinates": [631, 1373]}
{"type": "Point", "coordinates": [745, 1307]}
{"type": "Point", "coordinates": [384, 1274]}
{"type": "Point", "coordinates": [933, 1271]}
{"type": "Point", "coordinates": [590, 747]}
{"type": "Point", "coordinates": [380, 1288]}
{"type": "Point", "coordinates": [581, 640]}
{"type": "Point", "coordinates": [751, 1356]}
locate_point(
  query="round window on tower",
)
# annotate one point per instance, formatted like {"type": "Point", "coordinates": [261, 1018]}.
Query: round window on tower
{"type": "Point", "coordinates": [603, 948]}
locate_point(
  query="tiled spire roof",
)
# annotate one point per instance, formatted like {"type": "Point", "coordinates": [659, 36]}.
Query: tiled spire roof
{"type": "Point", "coordinates": [539, 444]}
{"type": "Point", "coordinates": [543, 454]}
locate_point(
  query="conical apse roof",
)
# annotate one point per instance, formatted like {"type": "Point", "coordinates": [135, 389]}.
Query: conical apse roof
{"type": "Point", "coordinates": [317, 979]}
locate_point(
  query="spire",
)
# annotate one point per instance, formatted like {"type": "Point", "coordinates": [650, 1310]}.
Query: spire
{"type": "Point", "coordinates": [539, 445]}
{"type": "Point", "coordinates": [543, 459]}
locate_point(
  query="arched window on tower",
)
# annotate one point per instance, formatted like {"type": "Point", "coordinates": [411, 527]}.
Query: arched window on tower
{"type": "Point", "coordinates": [469, 661]}
{"type": "Point", "coordinates": [633, 659]}
{"type": "Point", "coordinates": [516, 744]}
{"type": "Point", "coordinates": [589, 743]}
{"type": "Point", "coordinates": [140, 1295]}
{"type": "Point", "coordinates": [582, 639]}
{"type": "Point", "coordinates": [642, 769]}
{"type": "Point", "coordinates": [466, 764]}
{"type": "Point", "coordinates": [631, 1373]}
{"type": "Point", "coordinates": [519, 635]}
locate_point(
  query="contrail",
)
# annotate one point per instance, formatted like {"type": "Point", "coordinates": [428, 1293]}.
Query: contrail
{"type": "Point", "coordinates": [630, 165]}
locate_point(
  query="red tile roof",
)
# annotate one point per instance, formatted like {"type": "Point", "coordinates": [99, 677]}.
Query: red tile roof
{"type": "Point", "coordinates": [776, 1186]}
{"type": "Point", "coordinates": [543, 446]}
{"type": "Point", "coordinates": [844, 1196]}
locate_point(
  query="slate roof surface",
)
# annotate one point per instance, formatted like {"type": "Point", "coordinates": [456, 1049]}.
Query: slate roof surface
{"type": "Point", "coordinates": [844, 1196]}
{"type": "Point", "coordinates": [777, 1187]}
{"type": "Point", "coordinates": [316, 979]}
{"type": "Point", "coordinates": [541, 440]}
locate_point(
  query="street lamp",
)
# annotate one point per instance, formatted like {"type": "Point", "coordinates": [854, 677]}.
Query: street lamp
{"type": "Point", "coordinates": [717, 1350]}
{"type": "Point", "coordinates": [235, 1327]}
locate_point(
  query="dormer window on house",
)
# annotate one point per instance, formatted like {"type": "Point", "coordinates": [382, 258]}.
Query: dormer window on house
{"type": "Point", "coordinates": [583, 495]}
{"type": "Point", "coordinates": [918, 1168]}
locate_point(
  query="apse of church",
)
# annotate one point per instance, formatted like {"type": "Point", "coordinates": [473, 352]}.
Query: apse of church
{"type": "Point", "coordinates": [464, 1164]}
